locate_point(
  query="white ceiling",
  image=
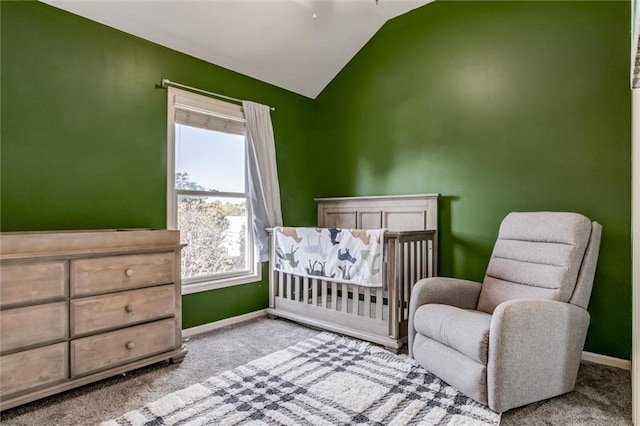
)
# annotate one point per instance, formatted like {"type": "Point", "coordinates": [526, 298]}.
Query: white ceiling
{"type": "Point", "coordinates": [299, 45]}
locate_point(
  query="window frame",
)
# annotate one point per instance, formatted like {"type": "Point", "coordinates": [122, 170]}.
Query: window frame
{"type": "Point", "coordinates": [225, 279]}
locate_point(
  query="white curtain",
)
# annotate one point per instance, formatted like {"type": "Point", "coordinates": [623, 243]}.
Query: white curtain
{"type": "Point", "coordinates": [263, 174]}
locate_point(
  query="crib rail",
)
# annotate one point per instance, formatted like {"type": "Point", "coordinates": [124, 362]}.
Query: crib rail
{"type": "Point", "coordinates": [378, 314]}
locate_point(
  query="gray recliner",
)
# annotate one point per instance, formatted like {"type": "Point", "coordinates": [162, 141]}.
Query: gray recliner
{"type": "Point", "coordinates": [518, 337]}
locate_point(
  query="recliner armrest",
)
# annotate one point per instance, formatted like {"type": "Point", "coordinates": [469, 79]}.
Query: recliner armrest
{"type": "Point", "coordinates": [460, 293]}
{"type": "Point", "coordinates": [534, 351]}
{"type": "Point", "coordinates": [446, 291]}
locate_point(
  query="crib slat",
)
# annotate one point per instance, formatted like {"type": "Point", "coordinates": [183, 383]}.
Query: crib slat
{"type": "Point", "coordinates": [423, 259]}
{"type": "Point", "coordinates": [429, 259]}
{"type": "Point", "coordinates": [288, 285]}
{"type": "Point", "coordinates": [324, 294]}
{"type": "Point", "coordinates": [355, 298]}
{"type": "Point", "coordinates": [345, 298]}
{"type": "Point", "coordinates": [411, 274]}
{"type": "Point", "coordinates": [305, 290]}
{"type": "Point", "coordinates": [295, 291]}
{"type": "Point", "coordinates": [433, 255]}
{"type": "Point", "coordinates": [407, 278]}
{"type": "Point", "coordinates": [334, 296]}
{"type": "Point", "coordinates": [418, 266]}
{"type": "Point", "coordinates": [297, 295]}
{"type": "Point", "coordinates": [406, 264]}
{"type": "Point", "coordinates": [367, 302]}
{"type": "Point", "coordinates": [414, 264]}
{"type": "Point", "coordinates": [280, 284]}
{"type": "Point", "coordinates": [273, 284]}
{"type": "Point", "coordinates": [314, 292]}
{"type": "Point", "coordinates": [399, 289]}
{"type": "Point", "coordinates": [417, 263]}
{"type": "Point", "coordinates": [413, 261]}
{"type": "Point", "coordinates": [379, 304]}
{"type": "Point", "coordinates": [415, 276]}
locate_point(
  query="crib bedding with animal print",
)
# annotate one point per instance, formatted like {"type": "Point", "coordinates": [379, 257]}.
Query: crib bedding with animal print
{"type": "Point", "coordinates": [352, 256]}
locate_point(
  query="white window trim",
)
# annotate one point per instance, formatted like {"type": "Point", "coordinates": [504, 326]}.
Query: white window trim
{"type": "Point", "coordinates": [254, 274]}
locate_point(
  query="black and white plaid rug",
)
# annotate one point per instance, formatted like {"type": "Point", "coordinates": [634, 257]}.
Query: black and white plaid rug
{"type": "Point", "coordinates": [325, 380]}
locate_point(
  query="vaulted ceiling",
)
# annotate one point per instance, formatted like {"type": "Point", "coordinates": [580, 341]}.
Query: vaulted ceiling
{"type": "Point", "coordinates": [298, 45]}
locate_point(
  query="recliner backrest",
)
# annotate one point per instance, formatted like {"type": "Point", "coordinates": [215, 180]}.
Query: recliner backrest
{"type": "Point", "coordinates": [582, 292]}
{"type": "Point", "coordinates": [537, 255]}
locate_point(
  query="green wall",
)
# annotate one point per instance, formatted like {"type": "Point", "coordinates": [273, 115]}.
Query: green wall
{"type": "Point", "coordinates": [83, 138]}
{"type": "Point", "coordinates": [499, 107]}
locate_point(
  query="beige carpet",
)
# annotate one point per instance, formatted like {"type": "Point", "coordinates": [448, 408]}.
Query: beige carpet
{"type": "Point", "coordinates": [602, 395]}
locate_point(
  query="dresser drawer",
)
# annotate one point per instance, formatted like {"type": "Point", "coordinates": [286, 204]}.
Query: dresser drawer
{"type": "Point", "coordinates": [33, 368]}
{"type": "Point", "coordinates": [111, 311]}
{"type": "Point", "coordinates": [32, 282]}
{"type": "Point", "coordinates": [33, 325]}
{"type": "Point", "coordinates": [94, 353]}
{"type": "Point", "coordinates": [106, 274]}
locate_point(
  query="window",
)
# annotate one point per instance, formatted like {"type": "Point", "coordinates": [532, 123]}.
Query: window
{"type": "Point", "coordinates": [208, 199]}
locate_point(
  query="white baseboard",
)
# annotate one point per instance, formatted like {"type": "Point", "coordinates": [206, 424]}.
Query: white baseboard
{"type": "Point", "coordinates": [187, 332]}
{"type": "Point", "coordinates": [606, 360]}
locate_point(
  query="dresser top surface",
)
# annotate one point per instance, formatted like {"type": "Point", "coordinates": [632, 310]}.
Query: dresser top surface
{"type": "Point", "coordinates": [21, 245]}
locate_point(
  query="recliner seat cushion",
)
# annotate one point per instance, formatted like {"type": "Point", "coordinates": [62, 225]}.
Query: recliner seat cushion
{"type": "Point", "coordinates": [466, 331]}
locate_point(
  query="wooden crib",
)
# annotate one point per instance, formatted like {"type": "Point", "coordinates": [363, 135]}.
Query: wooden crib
{"type": "Point", "coordinates": [378, 315]}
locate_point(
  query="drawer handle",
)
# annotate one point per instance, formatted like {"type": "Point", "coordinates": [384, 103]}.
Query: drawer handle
{"type": "Point", "coordinates": [129, 272]}
{"type": "Point", "coordinates": [129, 308]}
{"type": "Point", "coordinates": [130, 345]}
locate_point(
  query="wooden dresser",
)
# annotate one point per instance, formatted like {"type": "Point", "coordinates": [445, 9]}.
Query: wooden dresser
{"type": "Point", "coordinates": [76, 307]}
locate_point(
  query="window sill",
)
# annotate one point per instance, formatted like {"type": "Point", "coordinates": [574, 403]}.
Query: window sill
{"type": "Point", "coordinates": [223, 282]}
